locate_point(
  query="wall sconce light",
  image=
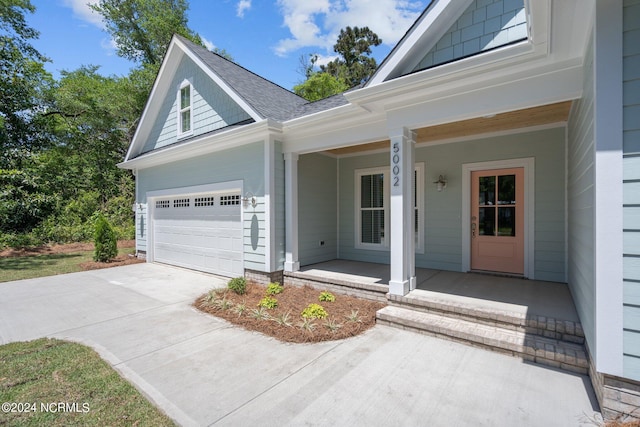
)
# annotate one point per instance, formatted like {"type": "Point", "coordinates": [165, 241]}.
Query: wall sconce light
{"type": "Point", "coordinates": [249, 198]}
{"type": "Point", "coordinates": [441, 183]}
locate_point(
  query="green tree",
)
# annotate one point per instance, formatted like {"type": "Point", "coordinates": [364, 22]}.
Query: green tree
{"type": "Point", "coordinates": [142, 29]}
{"type": "Point", "coordinates": [354, 64]}
{"type": "Point", "coordinates": [105, 242]}
{"type": "Point", "coordinates": [319, 86]}
{"type": "Point", "coordinates": [94, 118]}
{"type": "Point", "coordinates": [22, 82]}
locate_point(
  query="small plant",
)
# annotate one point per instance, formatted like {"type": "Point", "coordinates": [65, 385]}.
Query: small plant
{"type": "Point", "coordinates": [332, 325]}
{"type": "Point", "coordinates": [326, 297]}
{"type": "Point", "coordinates": [240, 308]}
{"type": "Point", "coordinates": [283, 319]}
{"type": "Point", "coordinates": [104, 240]}
{"type": "Point", "coordinates": [238, 285]}
{"type": "Point", "coordinates": [308, 325]}
{"type": "Point", "coordinates": [274, 288]}
{"type": "Point", "coordinates": [260, 313]}
{"type": "Point", "coordinates": [314, 311]}
{"type": "Point", "coordinates": [223, 303]}
{"type": "Point", "coordinates": [213, 295]}
{"type": "Point", "coordinates": [268, 302]}
{"type": "Point", "coordinates": [354, 317]}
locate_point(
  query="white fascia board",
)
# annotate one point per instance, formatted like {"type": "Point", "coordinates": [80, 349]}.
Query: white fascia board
{"type": "Point", "coordinates": [335, 128]}
{"type": "Point", "coordinates": [423, 36]}
{"type": "Point", "coordinates": [491, 97]}
{"type": "Point", "coordinates": [223, 85]}
{"type": "Point", "coordinates": [254, 132]}
{"type": "Point", "coordinates": [168, 67]}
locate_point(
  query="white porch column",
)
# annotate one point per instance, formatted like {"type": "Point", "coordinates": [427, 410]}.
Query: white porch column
{"type": "Point", "coordinates": [291, 262]}
{"type": "Point", "coordinates": [403, 271]}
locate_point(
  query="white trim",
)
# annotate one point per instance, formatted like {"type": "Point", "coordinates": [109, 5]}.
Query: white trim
{"type": "Point", "coordinates": [206, 144]}
{"type": "Point", "coordinates": [269, 205]}
{"type": "Point", "coordinates": [419, 168]}
{"type": "Point", "coordinates": [608, 222]}
{"type": "Point", "coordinates": [384, 243]}
{"type": "Point", "coordinates": [178, 191]}
{"type": "Point", "coordinates": [529, 214]}
{"type": "Point", "coordinates": [180, 133]}
{"type": "Point", "coordinates": [291, 262]}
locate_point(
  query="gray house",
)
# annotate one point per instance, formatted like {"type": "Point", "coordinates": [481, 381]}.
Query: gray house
{"type": "Point", "coordinates": [499, 141]}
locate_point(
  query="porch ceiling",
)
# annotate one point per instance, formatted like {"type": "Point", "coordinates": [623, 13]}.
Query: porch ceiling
{"type": "Point", "coordinates": [525, 118]}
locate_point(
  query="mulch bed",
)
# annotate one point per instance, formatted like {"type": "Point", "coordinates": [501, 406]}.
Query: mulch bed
{"type": "Point", "coordinates": [58, 249]}
{"type": "Point", "coordinates": [293, 300]}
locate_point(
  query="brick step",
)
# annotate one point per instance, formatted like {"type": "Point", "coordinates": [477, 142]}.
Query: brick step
{"type": "Point", "coordinates": [530, 324]}
{"type": "Point", "coordinates": [547, 351]}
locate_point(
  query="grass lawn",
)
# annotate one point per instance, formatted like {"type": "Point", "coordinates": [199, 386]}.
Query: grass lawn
{"type": "Point", "coordinates": [59, 383]}
{"type": "Point", "coordinates": [29, 267]}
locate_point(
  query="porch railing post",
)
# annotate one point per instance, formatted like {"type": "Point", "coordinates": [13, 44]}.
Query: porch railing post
{"type": "Point", "coordinates": [401, 223]}
{"type": "Point", "coordinates": [291, 262]}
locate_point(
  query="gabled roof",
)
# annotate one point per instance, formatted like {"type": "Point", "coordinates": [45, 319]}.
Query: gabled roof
{"type": "Point", "coordinates": [267, 98]}
{"type": "Point", "coordinates": [430, 26]}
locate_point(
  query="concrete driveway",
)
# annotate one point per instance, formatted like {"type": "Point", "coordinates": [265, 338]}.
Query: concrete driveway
{"type": "Point", "coordinates": [203, 371]}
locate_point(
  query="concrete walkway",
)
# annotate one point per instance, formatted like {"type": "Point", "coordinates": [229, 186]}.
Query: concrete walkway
{"type": "Point", "coordinates": [203, 371]}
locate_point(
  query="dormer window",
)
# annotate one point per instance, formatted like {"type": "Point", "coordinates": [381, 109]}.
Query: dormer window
{"type": "Point", "coordinates": [184, 109]}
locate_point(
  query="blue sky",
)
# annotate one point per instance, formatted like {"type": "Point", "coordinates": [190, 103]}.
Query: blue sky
{"type": "Point", "coordinates": [265, 36]}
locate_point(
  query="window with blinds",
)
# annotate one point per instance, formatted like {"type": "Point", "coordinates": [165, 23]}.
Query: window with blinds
{"type": "Point", "coordinates": [372, 205]}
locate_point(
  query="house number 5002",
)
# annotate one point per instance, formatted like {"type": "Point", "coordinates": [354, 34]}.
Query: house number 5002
{"type": "Point", "coordinates": [396, 164]}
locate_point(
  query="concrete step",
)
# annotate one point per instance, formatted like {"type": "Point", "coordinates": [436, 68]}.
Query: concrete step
{"type": "Point", "coordinates": [530, 324]}
{"type": "Point", "coordinates": [531, 347]}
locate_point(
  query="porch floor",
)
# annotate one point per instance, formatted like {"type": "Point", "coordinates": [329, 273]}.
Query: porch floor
{"type": "Point", "coordinates": [514, 295]}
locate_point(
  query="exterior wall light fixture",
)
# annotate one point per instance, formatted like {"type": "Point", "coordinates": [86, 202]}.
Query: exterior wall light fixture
{"type": "Point", "coordinates": [249, 198]}
{"type": "Point", "coordinates": [441, 183]}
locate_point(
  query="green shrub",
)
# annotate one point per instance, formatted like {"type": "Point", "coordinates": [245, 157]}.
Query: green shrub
{"type": "Point", "coordinates": [274, 288]}
{"type": "Point", "coordinates": [238, 285]}
{"type": "Point", "coordinates": [268, 302]}
{"type": "Point", "coordinates": [326, 297]}
{"type": "Point", "coordinates": [104, 240]}
{"type": "Point", "coordinates": [314, 311]}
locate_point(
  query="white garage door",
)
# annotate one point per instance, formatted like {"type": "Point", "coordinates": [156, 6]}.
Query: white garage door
{"type": "Point", "coordinates": [202, 232]}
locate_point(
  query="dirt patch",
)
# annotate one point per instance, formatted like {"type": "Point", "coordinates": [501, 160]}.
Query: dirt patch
{"type": "Point", "coordinates": [59, 249]}
{"type": "Point", "coordinates": [118, 261]}
{"type": "Point", "coordinates": [347, 316]}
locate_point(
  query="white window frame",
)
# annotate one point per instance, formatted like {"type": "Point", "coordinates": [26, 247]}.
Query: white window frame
{"type": "Point", "coordinates": [419, 205]}
{"type": "Point", "coordinates": [180, 111]}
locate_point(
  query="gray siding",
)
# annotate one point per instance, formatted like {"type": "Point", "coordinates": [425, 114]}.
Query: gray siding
{"type": "Point", "coordinates": [212, 107]}
{"type": "Point", "coordinates": [631, 189]}
{"type": "Point", "coordinates": [580, 198]}
{"type": "Point", "coordinates": [244, 163]}
{"type": "Point", "coordinates": [485, 24]}
{"type": "Point", "coordinates": [317, 204]}
{"type": "Point", "coordinates": [442, 231]}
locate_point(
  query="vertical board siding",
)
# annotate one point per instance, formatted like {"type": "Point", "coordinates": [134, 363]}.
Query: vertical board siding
{"type": "Point", "coordinates": [212, 108]}
{"type": "Point", "coordinates": [485, 24]}
{"type": "Point", "coordinates": [631, 187]}
{"type": "Point", "coordinates": [317, 206]}
{"type": "Point", "coordinates": [580, 198]}
{"type": "Point", "coordinates": [443, 210]}
{"type": "Point", "coordinates": [244, 163]}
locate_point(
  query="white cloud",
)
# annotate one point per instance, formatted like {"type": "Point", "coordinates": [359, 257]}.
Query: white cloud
{"type": "Point", "coordinates": [82, 11]}
{"type": "Point", "coordinates": [317, 23]}
{"type": "Point", "coordinates": [243, 5]}
{"type": "Point", "coordinates": [208, 43]}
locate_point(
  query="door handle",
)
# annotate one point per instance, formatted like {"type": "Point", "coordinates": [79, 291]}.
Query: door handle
{"type": "Point", "coordinates": [473, 229]}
